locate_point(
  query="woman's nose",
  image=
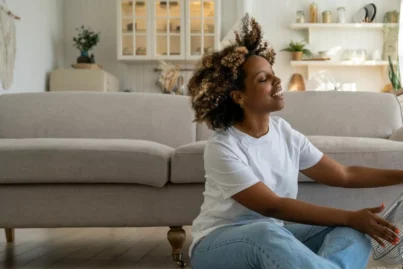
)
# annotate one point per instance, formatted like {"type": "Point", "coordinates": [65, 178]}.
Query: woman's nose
{"type": "Point", "coordinates": [277, 81]}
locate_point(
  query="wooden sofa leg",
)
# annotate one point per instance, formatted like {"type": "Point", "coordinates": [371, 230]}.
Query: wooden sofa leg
{"type": "Point", "coordinates": [10, 235]}
{"type": "Point", "coordinates": [177, 237]}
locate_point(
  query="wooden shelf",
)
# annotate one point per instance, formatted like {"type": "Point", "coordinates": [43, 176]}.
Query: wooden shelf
{"type": "Point", "coordinates": [312, 66]}
{"type": "Point", "coordinates": [342, 63]}
{"type": "Point", "coordinates": [357, 26]}
{"type": "Point", "coordinates": [306, 26]}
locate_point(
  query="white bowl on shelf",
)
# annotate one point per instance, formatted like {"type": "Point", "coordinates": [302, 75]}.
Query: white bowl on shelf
{"type": "Point", "coordinates": [324, 54]}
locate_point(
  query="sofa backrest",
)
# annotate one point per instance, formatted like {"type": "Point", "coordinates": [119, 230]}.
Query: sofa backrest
{"type": "Point", "coordinates": [354, 114]}
{"type": "Point", "coordinates": [161, 118]}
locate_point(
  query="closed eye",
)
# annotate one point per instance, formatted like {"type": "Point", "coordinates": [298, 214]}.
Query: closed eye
{"type": "Point", "coordinates": [265, 79]}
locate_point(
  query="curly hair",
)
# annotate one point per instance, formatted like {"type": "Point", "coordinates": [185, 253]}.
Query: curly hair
{"type": "Point", "coordinates": [220, 73]}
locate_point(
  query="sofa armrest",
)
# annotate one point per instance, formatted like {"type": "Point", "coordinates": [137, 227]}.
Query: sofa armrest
{"type": "Point", "coordinates": [188, 164]}
{"type": "Point", "coordinates": [397, 135]}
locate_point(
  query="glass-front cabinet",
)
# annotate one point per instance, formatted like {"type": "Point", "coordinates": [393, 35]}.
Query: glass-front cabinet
{"type": "Point", "coordinates": [134, 29]}
{"type": "Point", "coordinates": [203, 31]}
{"type": "Point", "coordinates": [171, 30]}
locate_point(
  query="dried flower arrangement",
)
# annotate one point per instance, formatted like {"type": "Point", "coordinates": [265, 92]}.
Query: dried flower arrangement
{"type": "Point", "coordinates": [170, 80]}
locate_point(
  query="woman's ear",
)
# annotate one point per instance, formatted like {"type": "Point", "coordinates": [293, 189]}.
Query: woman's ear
{"type": "Point", "coordinates": [236, 97]}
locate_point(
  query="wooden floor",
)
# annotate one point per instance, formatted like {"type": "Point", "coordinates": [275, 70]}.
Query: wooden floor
{"type": "Point", "coordinates": [101, 248]}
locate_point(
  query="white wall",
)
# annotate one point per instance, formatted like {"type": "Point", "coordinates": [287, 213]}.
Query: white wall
{"type": "Point", "coordinates": [39, 43]}
{"type": "Point", "coordinates": [275, 17]}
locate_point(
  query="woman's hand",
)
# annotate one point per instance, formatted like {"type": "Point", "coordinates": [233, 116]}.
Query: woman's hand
{"type": "Point", "coordinates": [367, 221]}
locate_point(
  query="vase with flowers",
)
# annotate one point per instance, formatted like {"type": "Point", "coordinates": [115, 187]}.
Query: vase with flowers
{"type": "Point", "coordinates": [85, 41]}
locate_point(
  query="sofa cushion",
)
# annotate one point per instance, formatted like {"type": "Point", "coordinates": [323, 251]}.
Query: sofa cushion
{"type": "Point", "coordinates": [41, 160]}
{"type": "Point", "coordinates": [334, 113]}
{"type": "Point", "coordinates": [162, 118]}
{"type": "Point", "coordinates": [188, 165]}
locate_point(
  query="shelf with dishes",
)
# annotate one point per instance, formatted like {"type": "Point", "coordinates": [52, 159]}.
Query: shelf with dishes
{"type": "Point", "coordinates": [312, 66]}
{"type": "Point", "coordinates": [311, 26]}
{"type": "Point", "coordinates": [360, 46]}
{"type": "Point", "coordinates": [346, 26]}
{"type": "Point", "coordinates": [325, 63]}
{"type": "Point", "coordinates": [364, 18]}
{"type": "Point", "coordinates": [347, 58]}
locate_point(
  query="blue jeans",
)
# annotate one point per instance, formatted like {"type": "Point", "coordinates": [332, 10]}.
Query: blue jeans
{"type": "Point", "coordinates": [265, 245]}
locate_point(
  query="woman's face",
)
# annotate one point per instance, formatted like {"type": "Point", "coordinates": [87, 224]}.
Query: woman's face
{"type": "Point", "coordinates": [263, 93]}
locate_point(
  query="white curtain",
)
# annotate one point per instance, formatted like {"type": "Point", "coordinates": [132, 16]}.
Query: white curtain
{"type": "Point", "coordinates": [400, 42]}
{"type": "Point", "coordinates": [8, 47]}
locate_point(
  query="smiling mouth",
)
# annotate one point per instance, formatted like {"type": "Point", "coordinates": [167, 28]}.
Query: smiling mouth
{"type": "Point", "coordinates": [278, 93]}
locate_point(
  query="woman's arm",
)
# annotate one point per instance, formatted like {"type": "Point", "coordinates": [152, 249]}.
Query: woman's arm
{"type": "Point", "coordinates": [329, 172]}
{"type": "Point", "coordinates": [261, 199]}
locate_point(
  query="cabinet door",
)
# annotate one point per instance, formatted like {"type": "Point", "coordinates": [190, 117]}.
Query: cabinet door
{"type": "Point", "coordinates": [168, 30]}
{"type": "Point", "coordinates": [203, 27]}
{"type": "Point", "coordinates": [133, 29]}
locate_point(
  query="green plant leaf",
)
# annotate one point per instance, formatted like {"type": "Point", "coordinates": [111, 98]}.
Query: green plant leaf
{"type": "Point", "coordinates": [296, 46]}
{"type": "Point", "coordinates": [307, 52]}
{"type": "Point", "coordinates": [394, 77]}
{"type": "Point", "coordinates": [86, 39]}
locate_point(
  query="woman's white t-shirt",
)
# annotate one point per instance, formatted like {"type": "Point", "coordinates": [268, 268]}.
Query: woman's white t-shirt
{"type": "Point", "coordinates": [234, 161]}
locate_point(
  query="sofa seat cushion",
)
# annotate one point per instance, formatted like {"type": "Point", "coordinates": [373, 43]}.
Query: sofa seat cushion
{"type": "Point", "coordinates": [188, 165]}
{"type": "Point", "coordinates": [36, 161]}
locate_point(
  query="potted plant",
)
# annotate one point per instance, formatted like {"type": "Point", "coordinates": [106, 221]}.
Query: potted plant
{"type": "Point", "coordinates": [85, 41]}
{"type": "Point", "coordinates": [394, 77]}
{"type": "Point", "coordinates": [298, 49]}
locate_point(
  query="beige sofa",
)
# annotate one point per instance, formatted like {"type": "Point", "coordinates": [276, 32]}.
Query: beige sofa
{"type": "Point", "coordinates": [134, 160]}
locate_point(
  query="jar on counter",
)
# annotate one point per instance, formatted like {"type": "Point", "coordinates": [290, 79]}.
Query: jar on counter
{"type": "Point", "coordinates": [313, 13]}
{"type": "Point", "coordinates": [341, 15]}
{"type": "Point", "coordinates": [327, 17]}
{"type": "Point", "coordinates": [300, 16]}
